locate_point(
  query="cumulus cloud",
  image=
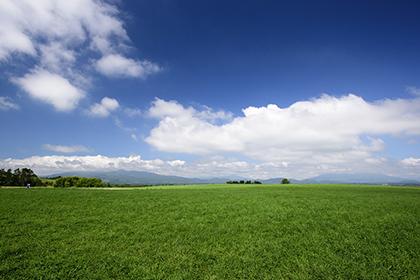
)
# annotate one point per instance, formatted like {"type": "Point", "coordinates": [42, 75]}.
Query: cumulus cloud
{"type": "Point", "coordinates": [104, 108]}
{"type": "Point", "coordinates": [51, 88]}
{"type": "Point", "coordinates": [326, 130]}
{"type": "Point", "coordinates": [411, 162]}
{"type": "Point", "coordinates": [161, 109]}
{"type": "Point", "coordinates": [66, 149]}
{"type": "Point", "coordinates": [62, 38]}
{"type": "Point", "coordinates": [114, 65]}
{"type": "Point", "coordinates": [7, 103]}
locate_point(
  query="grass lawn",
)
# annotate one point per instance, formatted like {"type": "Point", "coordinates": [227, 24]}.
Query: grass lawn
{"type": "Point", "coordinates": [211, 232]}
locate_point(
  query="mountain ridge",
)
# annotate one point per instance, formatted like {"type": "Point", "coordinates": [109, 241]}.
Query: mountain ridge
{"type": "Point", "coordinates": [129, 177]}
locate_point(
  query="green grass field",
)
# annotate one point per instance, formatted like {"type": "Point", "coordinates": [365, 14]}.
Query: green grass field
{"type": "Point", "coordinates": [211, 232]}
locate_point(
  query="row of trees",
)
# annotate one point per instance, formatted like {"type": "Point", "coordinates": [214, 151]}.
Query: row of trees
{"type": "Point", "coordinates": [24, 176]}
{"type": "Point", "coordinates": [79, 182]}
{"type": "Point", "coordinates": [283, 181]}
{"type": "Point", "coordinates": [243, 182]}
{"type": "Point", "coordinates": [19, 177]}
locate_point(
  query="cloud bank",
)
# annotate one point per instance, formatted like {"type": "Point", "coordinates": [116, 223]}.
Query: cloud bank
{"type": "Point", "coordinates": [52, 164]}
{"type": "Point", "coordinates": [324, 131]}
{"type": "Point", "coordinates": [209, 167]}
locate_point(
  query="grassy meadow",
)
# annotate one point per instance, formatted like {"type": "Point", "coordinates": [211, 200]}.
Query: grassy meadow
{"type": "Point", "coordinates": [211, 232]}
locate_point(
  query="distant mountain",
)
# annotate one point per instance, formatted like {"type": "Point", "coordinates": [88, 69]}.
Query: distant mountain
{"type": "Point", "coordinates": [278, 180]}
{"type": "Point", "coordinates": [149, 178]}
{"type": "Point", "coordinates": [140, 178]}
{"type": "Point", "coordinates": [358, 178]}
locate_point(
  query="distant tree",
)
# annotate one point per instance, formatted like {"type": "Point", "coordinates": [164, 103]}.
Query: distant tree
{"type": "Point", "coordinates": [6, 177]}
{"type": "Point", "coordinates": [285, 181]}
{"type": "Point", "coordinates": [257, 182]}
{"type": "Point", "coordinates": [248, 182]}
{"type": "Point", "coordinates": [241, 182]}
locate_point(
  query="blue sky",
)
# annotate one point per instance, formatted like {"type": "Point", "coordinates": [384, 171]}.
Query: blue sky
{"type": "Point", "coordinates": [184, 87]}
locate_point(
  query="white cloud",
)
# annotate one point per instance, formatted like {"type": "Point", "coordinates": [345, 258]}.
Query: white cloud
{"type": "Point", "coordinates": [104, 108]}
{"type": "Point", "coordinates": [206, 168]}
{"type": "Point", "coordinates": [411, 162]}
{"type": "Point", "coordinates": [63, 38]}
{"type": "Point", "coordinates": [114, 65]}
{"type": "Point", "coordinates": [326, 130]}
{"type": "Point", "coordinates": [175, 163]}
{"type": "Point", "coordinates": [51, 88]}
{"type": "Point", "coordinates": [55, 55]}
{"type": "Point", "coordinates": [212, 116]}
{"type": "Point", "coordinates": [27, 26]}
{"type": "Point", "coordinates": [66, 149]}
{"type": "Point", "coordinates": [45, 165]}
{"type": "Point", "coordinates": [161, 109]}
{"type": "Point", "coordinates": [376, 161]}
{"type": "Point", "coordinates": [7, 103]}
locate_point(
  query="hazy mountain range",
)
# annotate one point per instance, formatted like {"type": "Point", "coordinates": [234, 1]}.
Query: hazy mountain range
{"type": "Point", "coordinates": [148, 178]}
{"type": "Point", "coordinates": [140, 178]}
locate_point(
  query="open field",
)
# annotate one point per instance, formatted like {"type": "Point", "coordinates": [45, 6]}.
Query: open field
{"type": "Point", "coordinates": [211, 232]}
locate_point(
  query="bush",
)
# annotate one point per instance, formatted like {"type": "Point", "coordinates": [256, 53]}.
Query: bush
{"type": "Point", "coordinates": [285, 181]}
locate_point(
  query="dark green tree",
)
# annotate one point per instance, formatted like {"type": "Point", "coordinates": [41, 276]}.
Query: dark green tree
{"type": "Point", "coordinates": [19, 177]}
{"type": "Point", "coordinates": [285, 181]}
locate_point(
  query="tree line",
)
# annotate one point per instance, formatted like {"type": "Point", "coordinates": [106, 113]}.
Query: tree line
{"type": "Point", "coordinates": [19, 177]}
{"type": "Point", "coordinates": [25, 176]}
{"type": "Point", "coordinates": [79, 182]}
{"type": "Point", "coordinates": [283, 181]}
{"type": "Point", "coordinates": [243, 182]}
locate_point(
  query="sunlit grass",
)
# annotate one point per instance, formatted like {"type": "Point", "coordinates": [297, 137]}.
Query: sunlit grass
{"type": "Point", "coordinates": [211, 232]}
